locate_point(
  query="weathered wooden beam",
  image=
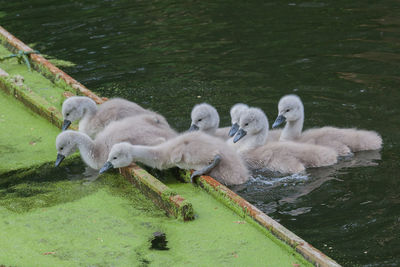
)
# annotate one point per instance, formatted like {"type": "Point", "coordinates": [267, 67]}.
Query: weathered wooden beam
{"type": "Point", "coordinates": [160, 194]}
{"type": "Point", "coordinates": [32, 100]}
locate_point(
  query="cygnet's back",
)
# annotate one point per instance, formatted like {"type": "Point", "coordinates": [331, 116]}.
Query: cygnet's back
{"type": "Point", "coordinates": [117, 109]}
{"type": "Point", "coordinates": [285, 157]}
{"type": "Point", "coordinates": [143, 129]}
{"type": "Point", "coordinates": [289, 157]}
{"type": "Point", "coordinates": [344, 141]}
{"type": "Point", "coordinates": [206, 119]}
{"type": "Point", "coordinates": [196, 150]}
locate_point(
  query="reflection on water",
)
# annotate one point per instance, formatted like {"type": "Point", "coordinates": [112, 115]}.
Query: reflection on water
{"type": "Point", "coordinates": [341, 57]}
{"type": "Point", "coordinates": [290, 189]}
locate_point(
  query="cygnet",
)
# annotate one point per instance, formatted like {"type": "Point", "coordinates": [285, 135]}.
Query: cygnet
{"type": "Point", "coordinates": [285, 157]}
{"type": "Point", "coordinates": [344, 141]}
{"type": "Point", "coordinates": [191, 150]}
{"type": "Point", "coordinates": [206, 119]}
{"type": "Point", "coordinates": [93, 118]}
{"type": "Point", "coordinates": [141, 130]}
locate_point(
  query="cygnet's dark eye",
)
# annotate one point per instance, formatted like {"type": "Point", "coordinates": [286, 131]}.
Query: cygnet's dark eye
{"type": "Point", "coordinates": [114, 157]}
{"type": "Point", "coordinates": [67, 114]}
{"type": "Point", "coordinates": [61, 148]}
{"type": "Point", "coordinates": [199, 119]}
{"type": "Point", "coordinates": [287, 110]}
{"type": "Point", "coordinates": [246, 124]}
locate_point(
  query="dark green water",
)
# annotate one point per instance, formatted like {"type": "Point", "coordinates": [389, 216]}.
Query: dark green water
{"type": "Point", "coordinates": [341, 57]}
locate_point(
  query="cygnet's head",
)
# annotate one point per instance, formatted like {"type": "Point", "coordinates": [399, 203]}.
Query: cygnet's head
{"type": "Point", "coordinates": [65, 145]}
{"type": "Point", "coordinates": [252, 121]}
{"type": "Point", "coordinates": [118, 157]}
{"type": "Point", "coordinates": [290, 108]}
{"type": "Point", "coordinates": [204, 118]}
{"type": "Point", "coordinates": [74, 108]}
{"type": "Point", "coordinates": [236, 110]}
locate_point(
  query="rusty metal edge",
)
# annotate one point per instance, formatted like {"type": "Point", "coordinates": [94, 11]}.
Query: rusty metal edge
{"type": "Point", "coordinates": [310, 253]}
{"type": "Point", "coordinates": [161, 195]}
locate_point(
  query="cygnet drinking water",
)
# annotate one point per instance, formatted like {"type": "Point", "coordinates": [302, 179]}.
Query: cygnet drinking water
{"type": "Point", "coordinates": [192, 150]}
{"type": "Point", "coordinates": [95, 118]}
{"type": "Point", "coordinates": [141, 130]}
{"type": "Point", "coordinates": [344, 141]}
{"type": "Point", "coordinates": [285, 157]}
{"type": "Point", "coordinates": [206, 119]}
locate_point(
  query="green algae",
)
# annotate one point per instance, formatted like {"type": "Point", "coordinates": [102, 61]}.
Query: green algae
{"type": "Point", "coordinates": [69, 222]}
{"type": "Point", "coordinates": [26, 139]}
{"type": "Point", "coordinates": [47, 186]}
{"type": "Point", "coordinates": [98, 230]}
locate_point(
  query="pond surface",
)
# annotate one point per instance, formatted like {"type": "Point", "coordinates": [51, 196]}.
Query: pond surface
{"type": "Point", "coordinates": [341, 57]}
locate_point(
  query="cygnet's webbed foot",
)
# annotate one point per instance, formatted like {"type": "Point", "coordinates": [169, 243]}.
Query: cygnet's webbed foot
{"type": "Point", "coordinates": [207, 169]}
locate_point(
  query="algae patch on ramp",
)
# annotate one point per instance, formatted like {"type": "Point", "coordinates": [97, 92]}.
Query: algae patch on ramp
{"type": "Point", "coordinates": [26, 139]}
{"type": "Point", "coordinates": [67, 221]}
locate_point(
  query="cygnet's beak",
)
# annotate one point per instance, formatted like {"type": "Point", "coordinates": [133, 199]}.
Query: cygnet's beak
{"type": "Point", "coordinates": [65, 125]}
{"type": "Point", "coordinates": [234, 129]}
{"type": "Point", "coordinates": [108, 165]}
{"type": "Point", "coordinates": [193, 127]}
{"type": "Point", "coordinates": [279, 120]}
{"type": "Point", "coordinates": [59, 159]}
{"type": "Point", "coordinates": [241, 133]}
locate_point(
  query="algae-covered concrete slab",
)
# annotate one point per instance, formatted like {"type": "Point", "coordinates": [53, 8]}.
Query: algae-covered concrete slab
{"type": "Point", "coordinates": [54, 218]}
{"type": "Point", "coordinates": [26, 139]}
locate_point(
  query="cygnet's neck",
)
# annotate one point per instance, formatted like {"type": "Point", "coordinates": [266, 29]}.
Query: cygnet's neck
{"type": "Point", "coordinates": [149, 155]}
{"type": "Point", "coordinates": [89, 111]}
{"type": "Point", "coordinates": [292, 130]}
{"type": "Point", "coordinates": [210, 130]}
{"type": "Point", "coordinates": [214, 124]}
{"type": "Point", "coordinates": [252, 141]}
{"type": "Point", "coordinates": [90, 152]}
